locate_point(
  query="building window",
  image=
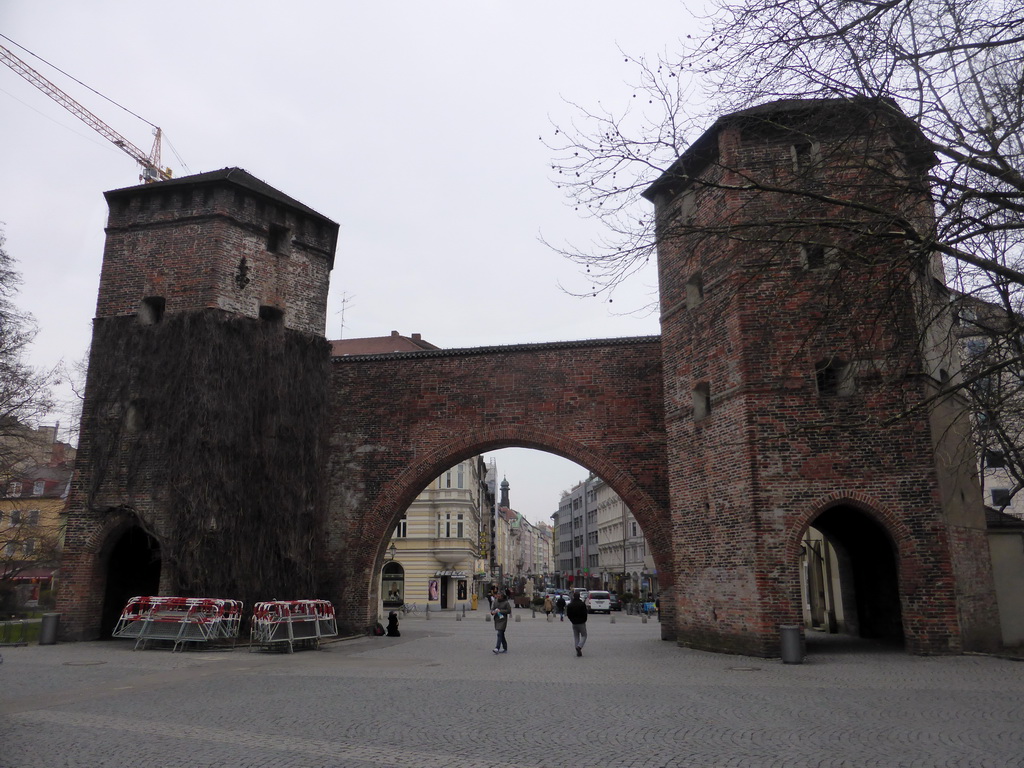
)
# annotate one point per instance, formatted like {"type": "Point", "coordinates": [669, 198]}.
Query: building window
{"type": "Point", "coordinates": [459, 527]}
{"type": "Point", "coordinates": [15, 518]}
{"type": "Point", "coordinates": [14, 489]}
{"type": "Point", "coordinates": [38, 487]}
{"type": "Point", "coordinates": [806, 155]}
{"type": "Point", "coordinates": [462, 478]}
{"type": "Point", "coordinates": [816, 256]}
{"type": "Point", "coordinates": [402, 529]}
{"type": "Point", "coordinates": [30, 546]}
{"type": "Point", "coordinates": [834, 377]}
{"type": "Point", "coordinates": [278, 239]}
{"type": "Point", "coordinates": [701, 401]}
{"type": "Point", "coordinates": [9, 549]}
{"type": "Point", "coordinates": [33, 517]}
{"type": "Point", "coordinates": [995, 459]}
{"type": "Point", "coordinates": [694, 291]}
{"type": "Point", "coordinates": [271, 315]}
{"type": "Point", "coordinates": [1000, 497]}
{"type": "Point", "coordinates": [151, 311]}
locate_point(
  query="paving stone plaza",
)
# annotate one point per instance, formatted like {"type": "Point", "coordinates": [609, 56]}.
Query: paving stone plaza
{"type": "Point", "coordinates": [438, 698]}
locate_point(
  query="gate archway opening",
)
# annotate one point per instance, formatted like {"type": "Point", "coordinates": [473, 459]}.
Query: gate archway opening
{"type": "Point", "coordinates": [517, 519]}
{"type": "Point", "coordinates": [850, 578]}
{"type": "Point", "coordinates": [132, 568]}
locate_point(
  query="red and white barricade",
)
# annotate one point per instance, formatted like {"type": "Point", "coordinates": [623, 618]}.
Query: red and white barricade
{"type": "Point", "coordinates": [290, 622]}
{"type": "Point", "coordinates": [179, 620]}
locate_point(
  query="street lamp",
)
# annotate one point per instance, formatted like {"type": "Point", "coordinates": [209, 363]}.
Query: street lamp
{"type": "Point", "coordinates": [392, 551]}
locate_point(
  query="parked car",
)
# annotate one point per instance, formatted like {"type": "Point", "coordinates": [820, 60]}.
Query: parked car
{"type": "Point", "coordinates": [614, 603]}
{"type": "Point", "coordinates": [598, 601]}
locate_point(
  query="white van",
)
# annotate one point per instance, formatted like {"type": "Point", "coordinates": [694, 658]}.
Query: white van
{"type": "Point", "coordinates": [598, 601]}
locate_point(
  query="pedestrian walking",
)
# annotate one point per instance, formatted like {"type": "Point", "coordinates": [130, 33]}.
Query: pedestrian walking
{"type": "Point", "coordinates": [500, 611]}
{"type": "Point", "coordinates": [560, 605]}
{"type": "Point", "coordinates": [577, 613]}
{"type": "Point", "coordinates": [548, 605]}
{"type": "Point", "coordinates": [393, 625]}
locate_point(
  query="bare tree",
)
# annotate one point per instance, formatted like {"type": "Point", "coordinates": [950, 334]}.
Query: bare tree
{"type": "Point", "coordinates": [24, 390]}
{"type": "Point", "coordinates": [953, 70]}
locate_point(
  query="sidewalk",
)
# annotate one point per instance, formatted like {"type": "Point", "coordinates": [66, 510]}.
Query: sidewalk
{"type": "Point", "coordinates": [437, 696]}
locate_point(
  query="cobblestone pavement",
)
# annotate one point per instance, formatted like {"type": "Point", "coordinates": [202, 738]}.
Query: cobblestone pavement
{"type": "Point", "coordinates": [438, 698]}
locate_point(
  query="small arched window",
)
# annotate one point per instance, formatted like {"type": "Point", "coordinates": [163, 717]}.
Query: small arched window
{"type": "Point", "coordinates": [694, 291]}
{"type": "Point", "coordinates": [701, 401]}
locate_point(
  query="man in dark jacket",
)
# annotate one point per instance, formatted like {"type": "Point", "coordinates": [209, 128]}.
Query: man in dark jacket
{"type": "Point", "coordinates": [577, 613]}
{"type": "Point", "coordinates": [560, 607]}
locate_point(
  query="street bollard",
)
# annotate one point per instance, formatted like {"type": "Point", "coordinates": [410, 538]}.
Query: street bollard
{"type": "Point", "coordinates": [427, 614]}
{"type": "Point", "coordinates": [48, 629]}
{"type": "Point", "coordinates": [463, 610]}
{"type": "Point", "coordinates": [643, 619]}
{"type": "Point", "coordinates": [612, 619]}
{"type": "Point", "coordinates": [533, 612]}
{"type": "Point", "coordinates": [789, 635]}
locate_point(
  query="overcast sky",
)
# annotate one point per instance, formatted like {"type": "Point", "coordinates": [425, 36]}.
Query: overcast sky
{"type": "Point", "coordinates": [414, 125]}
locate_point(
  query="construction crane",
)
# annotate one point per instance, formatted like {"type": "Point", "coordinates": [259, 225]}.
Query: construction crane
{"type": "Point", "coordinates": [151, 170]}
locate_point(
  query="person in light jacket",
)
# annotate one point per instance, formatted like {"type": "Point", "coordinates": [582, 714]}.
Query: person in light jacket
{"type": "Point", "coordinates": [500, 611]}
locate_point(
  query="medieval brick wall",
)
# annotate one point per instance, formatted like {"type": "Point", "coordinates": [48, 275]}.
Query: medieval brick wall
{"type": "Point", "coordinates": [219, 240]}
{"type": "Point", "coordinates": [399, 420]}
{"type": "Point", "coordinates": [758, 444]}
{"type": "Point", "coordinates": [774, 397]}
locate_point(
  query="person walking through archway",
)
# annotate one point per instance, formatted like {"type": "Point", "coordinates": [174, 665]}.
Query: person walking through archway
{"type": "Point", "coordinates": [500, 611]}
{"type": "Point", "coordinates": [577, 613]}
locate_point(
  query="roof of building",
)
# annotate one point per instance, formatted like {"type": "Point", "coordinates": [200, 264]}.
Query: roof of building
{"type": "Point", "coordinates": [783, 112]}
{"type": "Point", "coordinates": [380, 345]}
{"type": "Point", "coordinates": [55, 478]}
{"type": "Point", "coordinates": [995, 518]}
{"type": "Point", "coordinates": [237, 176]}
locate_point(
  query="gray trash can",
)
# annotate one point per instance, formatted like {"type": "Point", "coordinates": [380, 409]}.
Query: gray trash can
{"type": "Point", "coordinates": [792, 652]}
{"type": "Point", "coordinates": [48, 630]}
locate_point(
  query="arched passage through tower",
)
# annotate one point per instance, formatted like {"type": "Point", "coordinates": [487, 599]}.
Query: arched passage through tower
{"type": "Point", "coordinates": [849, 585]}
{"type": "Point", "coordinates": [132, 568]}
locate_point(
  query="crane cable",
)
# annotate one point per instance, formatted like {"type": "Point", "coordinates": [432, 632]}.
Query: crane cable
{"type": "Point", "coordinates": [102, 96]}
{"type": "Point", "coordinates": [54, 66]}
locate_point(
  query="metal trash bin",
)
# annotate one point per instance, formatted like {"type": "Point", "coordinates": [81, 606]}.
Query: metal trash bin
{"type": "Point", "coordinates": [792, 651]}
{"type": "Point", "coordinates": [48, 630]}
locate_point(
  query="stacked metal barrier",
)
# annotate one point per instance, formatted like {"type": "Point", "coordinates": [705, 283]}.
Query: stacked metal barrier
{"type": "Point", "coordinates": [179, 620]}
{"type": "Point", "coordinates": [287, 623]}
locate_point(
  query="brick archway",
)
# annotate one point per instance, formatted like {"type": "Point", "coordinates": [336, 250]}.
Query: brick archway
{"type": "Point", "coordinates": [412, 415]}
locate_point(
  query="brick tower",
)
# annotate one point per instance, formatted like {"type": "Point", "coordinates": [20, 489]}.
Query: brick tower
{"type": "Point", "coordinates": [202, 450]}
{"type": "Point", "coordinates": [798, 332]}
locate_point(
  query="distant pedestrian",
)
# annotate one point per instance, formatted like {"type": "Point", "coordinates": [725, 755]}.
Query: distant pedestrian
{"type": "Point", "coordinates": [393, 625]}
{"type": "Point", "coordinates": [577, 613]}
{"type": "Point", "coordinates": [500, 611]}
{"type": "Point", "coordinates": [560, 605]}
{"type": "Point", "coordinates": [548, 605]}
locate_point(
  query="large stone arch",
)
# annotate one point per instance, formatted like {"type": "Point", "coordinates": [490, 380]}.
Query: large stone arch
{"type": "Point", "coordinates": [401, 419]}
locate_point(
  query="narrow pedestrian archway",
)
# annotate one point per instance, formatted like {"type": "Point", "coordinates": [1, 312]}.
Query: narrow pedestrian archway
{"type": "Point", "coordinates": [850, 577]}
{"type": "Point", "coordinates": [133, 568]}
